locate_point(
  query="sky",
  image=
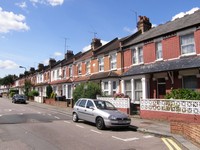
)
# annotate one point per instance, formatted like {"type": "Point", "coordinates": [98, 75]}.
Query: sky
{"type": "Point", "coordinates": [32, 31]}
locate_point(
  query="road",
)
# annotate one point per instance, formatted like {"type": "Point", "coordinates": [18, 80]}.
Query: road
{"type": "Point", "coordinates": [29, 127]}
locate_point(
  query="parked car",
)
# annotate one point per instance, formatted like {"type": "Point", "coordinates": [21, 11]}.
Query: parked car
{"type": "Point", "coordinates": [19, 98]}
{"type": "Point", "coordinates": [102, 113]}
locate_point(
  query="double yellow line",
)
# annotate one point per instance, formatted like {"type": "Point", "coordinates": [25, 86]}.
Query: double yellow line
{"type": "Point", "coordinates": [171, 144]}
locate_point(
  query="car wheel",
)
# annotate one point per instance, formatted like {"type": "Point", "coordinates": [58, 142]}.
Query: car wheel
{"type": "Point", "coordinates": [100, 123]}
{"type": "Point", "coordinates": [75, 117]}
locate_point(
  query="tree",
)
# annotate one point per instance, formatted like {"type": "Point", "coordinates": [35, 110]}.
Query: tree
{"type": "Point", "coordinates": [27, 86]}
{"type": "Point", "coordinates": [8, 80]}
{"type": "Point", "coordinates": [86, 90]}
{"type": "Point", "coordinates": [49, 90]}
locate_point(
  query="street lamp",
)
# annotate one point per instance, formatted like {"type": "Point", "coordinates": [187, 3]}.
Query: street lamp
{"type": "Point", "coordinates": [26, 90]}
{"type": "Point", "coordinates": [22, 67]}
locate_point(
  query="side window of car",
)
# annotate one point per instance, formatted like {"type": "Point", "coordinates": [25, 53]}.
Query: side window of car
{"type": "Point", "coordinates": [82, 103]}
{"type": "Point", "coordinates": [90, 104]}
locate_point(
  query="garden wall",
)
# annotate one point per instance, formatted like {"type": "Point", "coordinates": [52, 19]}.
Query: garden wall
{"type": "Point", "coordinates": [165, 109]}
{"type": "Point", "coordinates": [122, 104]}
{"type": "Point", "coordinates": [189, 130]}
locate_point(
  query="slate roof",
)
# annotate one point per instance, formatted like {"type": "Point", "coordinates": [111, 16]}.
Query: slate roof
{"type": "Point", "coordinates": [103, 75]}
{"type": "Point", "coordinates": [167, 28]}
{"type": "Point", "coordinates": [110, 46]}
{"type": "Point", "coordinates": [161, 66]}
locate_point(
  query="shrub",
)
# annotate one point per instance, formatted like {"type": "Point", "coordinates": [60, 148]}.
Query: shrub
{"type": "Point", "coordinates": [186, 94]}
{"type": "Point", "coordinates": [53, 95]}
{"type": "Point", "coordinates": [86, 90]}
{"type": "Point", "coordinates": [49, 90]}
{"type": "Point", "coordinates": [33, 93]}
{"type": "Point", "coordinates": [12, 94]}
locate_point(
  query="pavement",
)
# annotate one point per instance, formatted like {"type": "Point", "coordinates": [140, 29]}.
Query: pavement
{"type": "Point", "coordinates": [157, 128]}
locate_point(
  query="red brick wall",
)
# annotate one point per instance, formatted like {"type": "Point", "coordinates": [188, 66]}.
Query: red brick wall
{"type": "Point", "coordinates": [127, 59]}
{"type": "Point", "coordinates": [149, 53]}
{"type": "Point", "coordinates": [171, 48]}
{"type": "Point", "coordinates": [106, 63]}
{"type": "Point", "coordinates": [197, 41]}
{"type": "Point", "coordinates": [189, 130]}
{"type": "Point", "coordinates": [145, 114]}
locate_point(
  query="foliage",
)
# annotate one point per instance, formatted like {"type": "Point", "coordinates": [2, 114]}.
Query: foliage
{"type": "Point", "coordinates": [49, 90]}
{"type": "Point", "coordinates": [8, 80]}
{"type": "Point", "coordinates": [33, 93]}
{"type": "Point", "coordinates": [27, 87]}
{"type": "Point", "coordinates": [186, 94]}
{"type": "Point", "coordinates": [53, 95]}
{"type": "Point", "coordinates": [86, 90]}
{"type": "Point", "coordinates": [11, 94]}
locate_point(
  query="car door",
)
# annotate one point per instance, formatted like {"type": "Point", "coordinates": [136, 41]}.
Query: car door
{"type": "Point", "coordinates": [89, 111]}
{"type": "Point", "coordinates": [81, 109]}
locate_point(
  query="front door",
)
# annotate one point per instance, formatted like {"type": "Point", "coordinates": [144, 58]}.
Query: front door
{"type": "Point", "coordinates": [161, 88]}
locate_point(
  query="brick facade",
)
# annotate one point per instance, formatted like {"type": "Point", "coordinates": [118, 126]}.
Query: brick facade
{"type": "Point", "coordinates": [189, 130]}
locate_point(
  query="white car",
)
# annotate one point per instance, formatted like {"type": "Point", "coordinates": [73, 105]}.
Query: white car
{"type": "Point", "coordinates": [100, 112]}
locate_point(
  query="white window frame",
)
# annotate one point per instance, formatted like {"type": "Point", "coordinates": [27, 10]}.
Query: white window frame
{"type": "Point", "coordinates": [137, 55]}
{"type": "Point", "coordinates": [159, 51]}
{"type": "Point", "coordinates": [79, 69]}
{"type": "Point", "coordinates": [70, 71]}
{"type": "Point", "coordinates": [101, 64]}
{"type": "Point", "coordinates": [113, 61]}
{"type": "Point", "coordinates": [87, 66]}
{"type": "Point", "coordinates": [182, 44]}
{"type": "Point", "coordinates": [64, 72]}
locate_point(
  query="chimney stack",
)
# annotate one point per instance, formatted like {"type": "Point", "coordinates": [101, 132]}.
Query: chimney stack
{"type": "Point", "coordinates": [40, 67]}
{"type": "Point", "coordinates": [52, 61]}
{"type": "Point", "coordinates": [95, 43]}
{"type": "Point", "coordinates": [69, 54]}
{"type": "Point", "coordinates": [143, 24]}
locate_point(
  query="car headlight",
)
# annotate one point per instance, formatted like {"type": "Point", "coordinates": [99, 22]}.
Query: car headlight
{"type": "Point", "coordinates": [111, 117]}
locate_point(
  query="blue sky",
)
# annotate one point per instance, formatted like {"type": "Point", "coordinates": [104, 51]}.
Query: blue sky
{"type": "Point", "coordinates": [32, 31]}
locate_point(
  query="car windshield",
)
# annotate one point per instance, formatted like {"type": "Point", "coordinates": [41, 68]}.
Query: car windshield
{"type": "Point", "coordinates": [20, 96]}
{"type": "Point", "coordinates": [104, 105]}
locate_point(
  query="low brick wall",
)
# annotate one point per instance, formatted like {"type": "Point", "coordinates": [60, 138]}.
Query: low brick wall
{"type": "Point", "coordinates": [190, 131]}
{"type": "Point", "coordinates": [168, 116]}
{"type": "Point", "coordinates": [53, 102]}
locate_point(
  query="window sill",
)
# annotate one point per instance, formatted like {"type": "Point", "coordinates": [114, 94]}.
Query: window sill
{"type": "Point", "coordinates": [187, 55]}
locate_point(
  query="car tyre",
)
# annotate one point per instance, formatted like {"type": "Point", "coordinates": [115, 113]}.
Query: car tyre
{"type": "Point", "coordinates": [100, 123]}
{"type": "Point", "coordinates": [75, 117]}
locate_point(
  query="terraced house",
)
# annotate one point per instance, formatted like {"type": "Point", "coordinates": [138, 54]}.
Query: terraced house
{"type": "Point", "coordinates": [146, 64]}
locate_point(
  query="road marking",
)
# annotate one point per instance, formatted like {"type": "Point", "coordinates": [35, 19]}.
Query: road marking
{"type": "Point", "coordinates": [56, 117]}
{"type": "Point", "coordinates": [148, 136]}
{"type": "Point", "coordinates": [67, 122]}
{"type": "Point", "coordinates": [126, 140]}
{"type": "Point", "coordinates": [96, 131]}
{"type": "Point", "coordinates": [39, 112]}
{"type": "Point", "coordinates": [0, 115]}
{"type": "Point", "coordinates": [171, 144]}
{"type": "Point", "coordinates": [9, 109]}
{"type": "Point", "coordinates": [79, 126]}
{"type": "Point", "coordinates": [20, 113]}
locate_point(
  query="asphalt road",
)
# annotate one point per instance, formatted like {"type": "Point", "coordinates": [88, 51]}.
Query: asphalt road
{"type": "Point", "coordinates": [29, 127]}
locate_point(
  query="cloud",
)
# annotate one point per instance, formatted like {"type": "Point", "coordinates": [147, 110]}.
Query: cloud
{"type": "Point", "coordinates": [10, 21]}
{"type": "Point", "coordinates": [47, 2]}
{"type": "Point", "coordinates": [21, 5]}
{"type": "Point", "coordinates": [182, 14]}
{"type": "Point", "coordinates": [86, 48]}
{"type": "Point", "coordinates": [57, 54]}
{"type": "Point", "coordinates": [8, 64]}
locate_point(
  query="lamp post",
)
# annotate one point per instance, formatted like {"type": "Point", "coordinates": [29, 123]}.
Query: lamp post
{"type": "Point", "coordinates": [26, 90]}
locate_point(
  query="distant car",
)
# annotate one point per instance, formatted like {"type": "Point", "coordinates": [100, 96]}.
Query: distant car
{"type": "Point", "coordinates": [100, 112]}
{"type": "Point", "coordinates": [19, 98]}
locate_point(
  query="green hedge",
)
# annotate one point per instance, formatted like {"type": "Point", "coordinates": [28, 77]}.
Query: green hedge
{"type": "Point", "coordinates": [86, 90]}
{"type": "Point", "coordinates": [185, 94]}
